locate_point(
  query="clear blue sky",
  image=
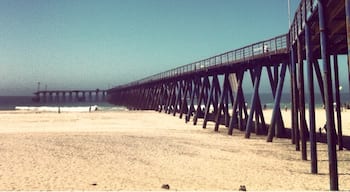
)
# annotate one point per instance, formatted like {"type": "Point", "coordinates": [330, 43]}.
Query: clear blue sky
{"type": "Point", "coordinates": [89, 44]}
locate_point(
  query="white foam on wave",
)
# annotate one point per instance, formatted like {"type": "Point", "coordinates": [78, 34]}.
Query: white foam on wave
{"type": "Point", "coordinates": [58, 109]}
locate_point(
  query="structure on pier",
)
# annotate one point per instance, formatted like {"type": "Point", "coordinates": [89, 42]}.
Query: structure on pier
{"type": "Point", "coordinates": [69, 95]}
{"type": "Point", "coordinates": [212, 88]}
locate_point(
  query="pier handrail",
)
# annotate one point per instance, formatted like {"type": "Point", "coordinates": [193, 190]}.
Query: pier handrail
{"type": "Point", "coordinates": [304, 11]}
{"type": "Point", "coordinates": [265, 48]}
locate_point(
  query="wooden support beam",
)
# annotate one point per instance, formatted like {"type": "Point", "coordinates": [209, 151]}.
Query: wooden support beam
{"type": "Point", "coordinates": [226, 106]}
{"type": "Point", "coordinates": [211, 99]}
{"type": "Point", "coordinates": [301, 91]}
{"type": "Point", "coordinates": [347, 12]}
{"type": "Point", "coordinates": [243, 111]}
{"type": "Point", "coordinates": [277, 99]}
{"type": "Point", "coordinates": [295, 109]}
{"type": "Point", "coordinates": [291, 93]}
{"type": "Point", "coordinates": [258, 111]}
{"type": "Point", "coordinates": [257, 73]}
{"type": "Point", "coordinates": [312, 122]}
{"type": "Point", "coordinates": [337, 101]}
{"type": "Point", "coordinates": [184, 106]}
{"type": "Point", "coordinates": [205, 85]}
{"type": "Point", "coordinates": [169, 89]}
{"type": "Point", "coordinates": [278, 128]}
{"type": "Point", "coordinates": [319, 78]}
{"type": "Point", "coordinates": [171, 98]}
{"type": "Point", "coordinates": [231, 98]}
{"type": "Point", "coordinates": [178, 97]}
{"type": "Point", "coordinates": [233, 119]}
{"type": "Point", "coordinates": [162, 97]}
{"type": "Point", "coordinates": [165, 96]}
{"type": "Point", "coordinates": [223, 96]}
{"type": "Point", "coordinates": [195, 91]}
{"type": "Point", "coordinates": [327, 82]}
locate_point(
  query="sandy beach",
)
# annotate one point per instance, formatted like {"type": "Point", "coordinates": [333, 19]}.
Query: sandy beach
{"type": "Point", "coordinates": [142, 150]}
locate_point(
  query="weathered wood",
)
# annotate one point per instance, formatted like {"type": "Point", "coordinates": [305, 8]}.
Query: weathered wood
{"type": "Point", "coordinates": [312, 123]}
{"type": "Point", "coordinates": [301, 101]}
{"type": "Point", "coordinates": [204, 86]}
{"type": "Point", "coordinates": [278, 129]}
{"type": "Point", "coordinates": [337, 101]}
{"type": "Point", "coordinates": [223, 96]}
{"type": "Point", "coordinates": [327, 82]}
{"type": "Point", "coordinates": [258, 111]}
{"type": "Point", "coordinates": [295, 118]}
{"type": "Point", "coordinates": [184, 107]}
{"type": "Point", "coordinates": [254, 100]}
{"type": "Point", "coordinates": [233, 119]}
{"type": "Point", "coordinates": [195, 91]}
{"type": "Point", "coordinates": [171, 98]}
{"type": "Point", "coordinates": [178, 97]}
{"type": "Point", "coordinates": [277, 99]}
{"type": "Point", "coordinates": [211, 100]}
{"type": "Point", "coordinates": [347, 21]}
{"type": "Point", "coordinates": [319, 79]}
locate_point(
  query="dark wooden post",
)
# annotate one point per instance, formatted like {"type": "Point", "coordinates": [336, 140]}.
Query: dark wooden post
{"type": "Point", "coordinates": [312, 127]}
{"type": "Point", "coordinates": [205, 84]}
{"type": "Point", "coordinates": [172, 99]}
{"type": "Point", "coordinates": [277, 100]}
{"type": "Point", "coordinates": [291, 93]}
{"type": "Point", "coordinates": [337, 101]}
{"type": "Point", "coordinates": [163, 97]}
{"type": "Point", "coordinates": [178, 97]}
{"type": "Point", "coordinates": [233, 119]}
{"type": "Point", "coordinates": [194, 92]}
{"type": "Point", "coordinates": [226, 110]}
{"type": "Point", "coordinates": [295, 118]}
{"type": "Point", "coordinates": [319, 78]}
{"type": "Point", "coordinates": [70, 96]}
{"type": "Point", "coordinates": [222, 99]}
{"type": "Point", "coordinates": [211, 99]}
{"type": "Point", "coordinates": [258, 110]}
{"type": "Point", "coordinates": [347, 11]}
{"type": "Point", "coordinates": [327, 82]}
{"type": "Point", "coordinates": [184, 107]}
{"type": "Point", "coordinates": [257, 73]}
{"type": "Point", "coordinates": [278, 127]}
{"type": "Point", "coordinates": [301, 102]}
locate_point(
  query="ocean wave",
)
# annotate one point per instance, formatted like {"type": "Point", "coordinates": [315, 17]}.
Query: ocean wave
{"type": "Point", "coordinates": [58, 108]}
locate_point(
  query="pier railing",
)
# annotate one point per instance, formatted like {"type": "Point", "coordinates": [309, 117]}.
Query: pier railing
{"type": "Point", "coordinates": [261, 49]}
{"type": "Point", "coordinates": [304, 11]}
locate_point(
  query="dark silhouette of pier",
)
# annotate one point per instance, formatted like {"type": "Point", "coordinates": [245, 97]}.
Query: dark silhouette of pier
{"type": "Point", "coordinates": [211, 88]}
{"type": "Point", "coordinates": [70, 95]}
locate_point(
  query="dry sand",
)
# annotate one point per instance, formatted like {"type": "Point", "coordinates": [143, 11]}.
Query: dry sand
{"type": "Point", "coordinates": [142, 150]}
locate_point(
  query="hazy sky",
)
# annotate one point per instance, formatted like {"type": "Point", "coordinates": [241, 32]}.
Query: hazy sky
{"type": "Point", "coordinates": [89, 44]}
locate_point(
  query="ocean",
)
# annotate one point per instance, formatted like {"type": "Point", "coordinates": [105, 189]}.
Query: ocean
{"type": "Point", "coordinates": [10, 102]}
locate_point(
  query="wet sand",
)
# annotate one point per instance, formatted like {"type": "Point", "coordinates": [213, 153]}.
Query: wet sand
{"type": "Point", "coordinates": [142, 150]}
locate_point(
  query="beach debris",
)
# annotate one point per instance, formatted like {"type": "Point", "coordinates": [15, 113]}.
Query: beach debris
{"type": "Point", "coordinates": [94, 184]}
{"type": "Point", "coordinates": [166, 186]}
{"type": "Point", "coordinates": [242, 188]}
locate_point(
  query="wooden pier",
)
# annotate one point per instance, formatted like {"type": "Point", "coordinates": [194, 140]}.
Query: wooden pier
{"type": "Point", "coordinates": [49, 96]}
{"type": "Point", "coordinates": [212, 88]}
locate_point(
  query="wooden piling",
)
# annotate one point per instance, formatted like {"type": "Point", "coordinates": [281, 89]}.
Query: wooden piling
{"type": "Point", "coordinates": [312, 123]}
{"type": "Point", "coordinates": [337, 101]}
{"type": "Point", "coordinates": [327, 82]}
{"type": "Point", "coordinates": [301, 101]}
{"type": "Point", "coordinates": [257, 73]}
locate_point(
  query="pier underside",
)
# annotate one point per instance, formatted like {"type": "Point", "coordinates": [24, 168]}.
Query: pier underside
{"type": "Point", "coordinates": [212, 89]}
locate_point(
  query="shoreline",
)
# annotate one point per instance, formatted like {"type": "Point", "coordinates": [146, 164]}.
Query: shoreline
{"type": "Point", "coordinates": [142, 150]}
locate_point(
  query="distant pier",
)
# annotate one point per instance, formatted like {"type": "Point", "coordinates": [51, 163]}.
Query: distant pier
{"type": "Point", "coordinates": [49, 96]}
